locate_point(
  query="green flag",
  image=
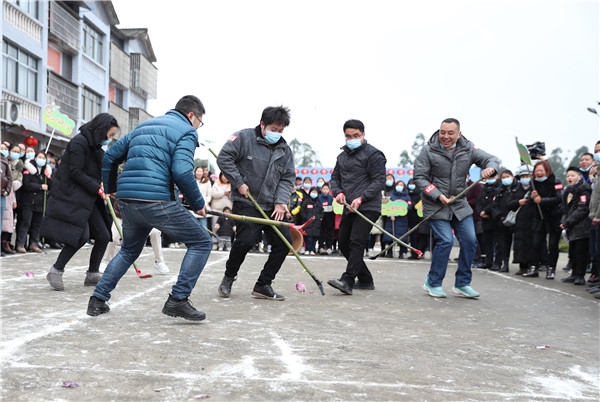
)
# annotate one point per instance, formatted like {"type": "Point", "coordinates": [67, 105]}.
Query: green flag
{"type": "Point", "coordinates": [523, 153]}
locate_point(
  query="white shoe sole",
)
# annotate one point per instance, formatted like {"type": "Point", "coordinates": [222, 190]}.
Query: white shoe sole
{"type": "Point", "coordinates": [460, 292]}
{"type": "Point", "coordinates": [261, 296]}
{"type": "Point", "coordinates": [425, 288]}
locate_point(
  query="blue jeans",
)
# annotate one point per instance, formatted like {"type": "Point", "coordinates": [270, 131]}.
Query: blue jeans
{"type": "Point", "coordinates": [2, 207]}
{"type": "Point", "coordinates": [173, 220]}
{"type": "Point", "coordinates": [442, 232]}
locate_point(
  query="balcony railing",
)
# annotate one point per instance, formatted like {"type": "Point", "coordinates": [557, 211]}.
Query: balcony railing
{"type": "Point", "coordinates": [64, 28]}
{"type": "Point", "coordinates": [29, 111]}
{"type": "Point", "coordinates": [143, 76]}
{"type": "Point", "coordinates": [22, 21]}
{"type": "Point", "coordinates": [119, 67]}
{"type": "Point", "coordinates": [64, 94]}
{"type": "Point", "coordinates": [122, 117]}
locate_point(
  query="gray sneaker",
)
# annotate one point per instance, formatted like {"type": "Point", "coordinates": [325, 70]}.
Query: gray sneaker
{"type": "Point", "coordinates": [92, 278]}
{"type": "Point", "coordinates": [54, 278]}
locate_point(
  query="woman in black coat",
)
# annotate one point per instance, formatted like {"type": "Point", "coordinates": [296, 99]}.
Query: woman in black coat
{"type": "Point", "coordinates": [311, 206]}
{"type": "Point", "coordinates": [76, 210]}
{"type": "Point", "coordinates": [35, 184]}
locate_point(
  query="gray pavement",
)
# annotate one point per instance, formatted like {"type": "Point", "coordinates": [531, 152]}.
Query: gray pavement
{"type": "Point", "coordinates": [393, 343]}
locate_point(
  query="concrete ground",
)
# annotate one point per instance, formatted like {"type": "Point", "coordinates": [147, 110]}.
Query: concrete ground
{"type": "Point", "coordinates": [393, 343]}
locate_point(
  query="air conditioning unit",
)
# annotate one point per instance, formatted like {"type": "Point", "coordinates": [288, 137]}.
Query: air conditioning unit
{"type": "Point", "coordinates": [11, 111]}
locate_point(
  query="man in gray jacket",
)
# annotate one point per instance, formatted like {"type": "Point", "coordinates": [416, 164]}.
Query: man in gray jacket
{"type": "Point", "coordinates": [259, 160]}
{"type": "Point", "coordinates": [441, 171]}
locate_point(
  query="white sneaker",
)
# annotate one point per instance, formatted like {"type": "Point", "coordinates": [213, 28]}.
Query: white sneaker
{"type": "Point", "coordinates": [329, 251]}
{"type": "Point", "coordinates": [311, 253]}
{"type": "Point", "coordinates": [161, 267]}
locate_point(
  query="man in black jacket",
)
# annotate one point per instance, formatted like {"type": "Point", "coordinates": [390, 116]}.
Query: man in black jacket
{"type": "Point", "coordinates": [359, 178]}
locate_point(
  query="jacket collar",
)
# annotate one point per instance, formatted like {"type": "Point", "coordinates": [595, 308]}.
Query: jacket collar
{"type": "Point", "coordinates": [261, 140]}
{"type": "Point", "coordinates": [180, 115]}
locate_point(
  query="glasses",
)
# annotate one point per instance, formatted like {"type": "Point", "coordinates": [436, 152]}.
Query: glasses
{"type": "Point", "coordinates": [200, 121]}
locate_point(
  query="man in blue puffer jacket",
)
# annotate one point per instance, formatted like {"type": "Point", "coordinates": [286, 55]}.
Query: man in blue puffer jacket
{"type": "Point", "coordinates": [158, 153]}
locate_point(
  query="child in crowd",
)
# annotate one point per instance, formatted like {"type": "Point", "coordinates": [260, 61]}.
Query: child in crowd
{"type": "Point", "coordinates": [328, 222]}
{"type": "Point", "coordinates": [576, 222]}
{"type": "Point", "coordinates": [224, 229]}
{"type": "Point", "coordinates": [312, 207]}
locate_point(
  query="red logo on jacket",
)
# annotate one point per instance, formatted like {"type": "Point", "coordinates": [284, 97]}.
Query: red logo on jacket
{"type": "Point", "coordinates": [233, 138]}
{"type": "Point", "coordinates": [430, 188]}
{"type": "Point", "coordinates": [558, 186]}
{"type": "Point", "coordinates": [583, 198]}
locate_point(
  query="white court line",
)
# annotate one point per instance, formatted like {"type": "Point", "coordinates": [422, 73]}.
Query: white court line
{"type": "Point", "coordinates": [292, 361]}
{"type": "Point", "coordinates": [9, 347]}
{"type": "Point", "coordinates": [251, 375]}
{"type": "Point", "coordinates": [535, 285]}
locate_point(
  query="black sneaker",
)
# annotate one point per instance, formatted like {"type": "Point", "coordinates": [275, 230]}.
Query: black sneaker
{"type": "Point", "coordinates": [568, 279]}
{"type": "Point", "coordinates": [225, 286]}
{"type": "Point", "coordinates": [182, 308]}
{"type": "Point", "coordinates": [266, 292]}
{"type": "Point", "coordinates": [97, 306]}
{"type": "Point", "coordinates": [579, 281]}
{"type": "Point", "coordinates": [363, 285]}
{"type": "Point", "coordinates": [340, 285]}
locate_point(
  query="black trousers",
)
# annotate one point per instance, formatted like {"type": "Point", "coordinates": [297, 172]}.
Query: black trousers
{"type": "Point", "coordinates": [354, 232]}
{"type": "Point", "coordinates": [246, 237]}
{"type": "Point", "coordinates": [327, 229]}
{"type": "Point", "coordinates": [31, 222]}
{"type": "Point", "coordinates": [580, 254]}
{"type": "Point", "coordinates": [493, 244]}
{"type": "Point", "coordinates": [96, 229]}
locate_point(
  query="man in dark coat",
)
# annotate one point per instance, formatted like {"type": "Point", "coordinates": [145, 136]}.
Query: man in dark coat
{"type": "Point", "coordinates": [258, 160]}
{"type": "Point", "coordinates": [75, 211]}
{"type": "Point", "coordinates": [358, 177]}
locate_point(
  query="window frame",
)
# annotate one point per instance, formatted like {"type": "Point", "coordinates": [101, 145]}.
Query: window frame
{"type": "Point", "coordinates": [23, 78]}
{"type": "Point", "coordinates": [95, 49]}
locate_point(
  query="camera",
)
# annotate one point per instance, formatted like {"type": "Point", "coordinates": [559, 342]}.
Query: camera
{"type": "Point", "coordinates": [537, 149]}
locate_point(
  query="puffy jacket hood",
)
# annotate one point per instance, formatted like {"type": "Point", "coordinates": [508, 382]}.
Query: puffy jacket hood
{"type": "Point", "coordinates": [95, 130]}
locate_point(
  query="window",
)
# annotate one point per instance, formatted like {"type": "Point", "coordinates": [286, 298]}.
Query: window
{"type": "Point", "coordinates": [92, 43]}
{"type": "Point", "coordinates": [92, 105]}
{"type": "Point", "coordinates": [29, 7]}
{"type": "Point", "coordinates": [20, 71]}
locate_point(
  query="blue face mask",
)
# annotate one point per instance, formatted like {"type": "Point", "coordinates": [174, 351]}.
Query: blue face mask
{"type": "Point", "coordinates": [272, 137]}
{"type": "Point", "coordinates": [52, 167]}
{"type": "Point", "coordinates": [525, 181]}
{"type": "Point", "coordinates": [541, 179]}
{"type": "Point", "coordinates": [507, 182]}
{"type": "Point", "coordinates": [105, 142]}
{"type": "Point", "coordinates": [320, 185]}
{"type": "Point", "coordinates": [14, 156]}
{"type": "Point", "coordinates": [411, 187]}
{"type": "Point", "coordinates": [399, 189]}
{"type": "Point", "coordinates": [4, 152]}
{"type": "Point", "coordinates": [353, 144]}
{"type": "Point", "coordinates": [40, 162]}
{"type": "Point", "coordinates": [21, 154]}
{"type": "Point", "coordinates": [585, 170]}
{"type": "Point", "coordinates": [306, 185]}
{"type": "Point", "coordinates": [490, 181]}
{"type": "Point", "coordinates": [313, 195]}
{"type": "Point", "coordinates": [597, 157]}
{"type": "Point", "coordinates": [389, 183]}
{"type": "Point", "coordinates": [30, 155]}
{"type": "Point", "coordinates": [450, 147]}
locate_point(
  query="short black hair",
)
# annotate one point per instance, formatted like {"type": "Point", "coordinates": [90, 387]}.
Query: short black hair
{"type": "Point", "coordinates": [573, 168]}
{"type": "Point", "coordinates": [356, 124]}
{"type": "Point", "coordinates": [190, 103]}
{"type": "Point", "coordinates": [507, 171]}
{"type": "Point", "coordinates": [276, 114]}
{"type": "Point", "coordinates": [588, 154]}
{"type": "Point", "coordinates": [452, 120]}
{"type": "Point", "coordinates": [326, 184]}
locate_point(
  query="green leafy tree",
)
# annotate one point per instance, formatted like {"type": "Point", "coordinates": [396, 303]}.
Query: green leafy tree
{"type": "Point", "coordinates": [558, 162]}
{"type": "Point", "coordinates": [578, 152]}
{"type": "Point", "coordinates": [304, 154]}
{"type": "Point", "coordinates": [407, 159]}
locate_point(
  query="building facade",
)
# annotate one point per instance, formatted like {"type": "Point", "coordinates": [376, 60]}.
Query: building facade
{"type": "Point", "coordinates": [71, 54]}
